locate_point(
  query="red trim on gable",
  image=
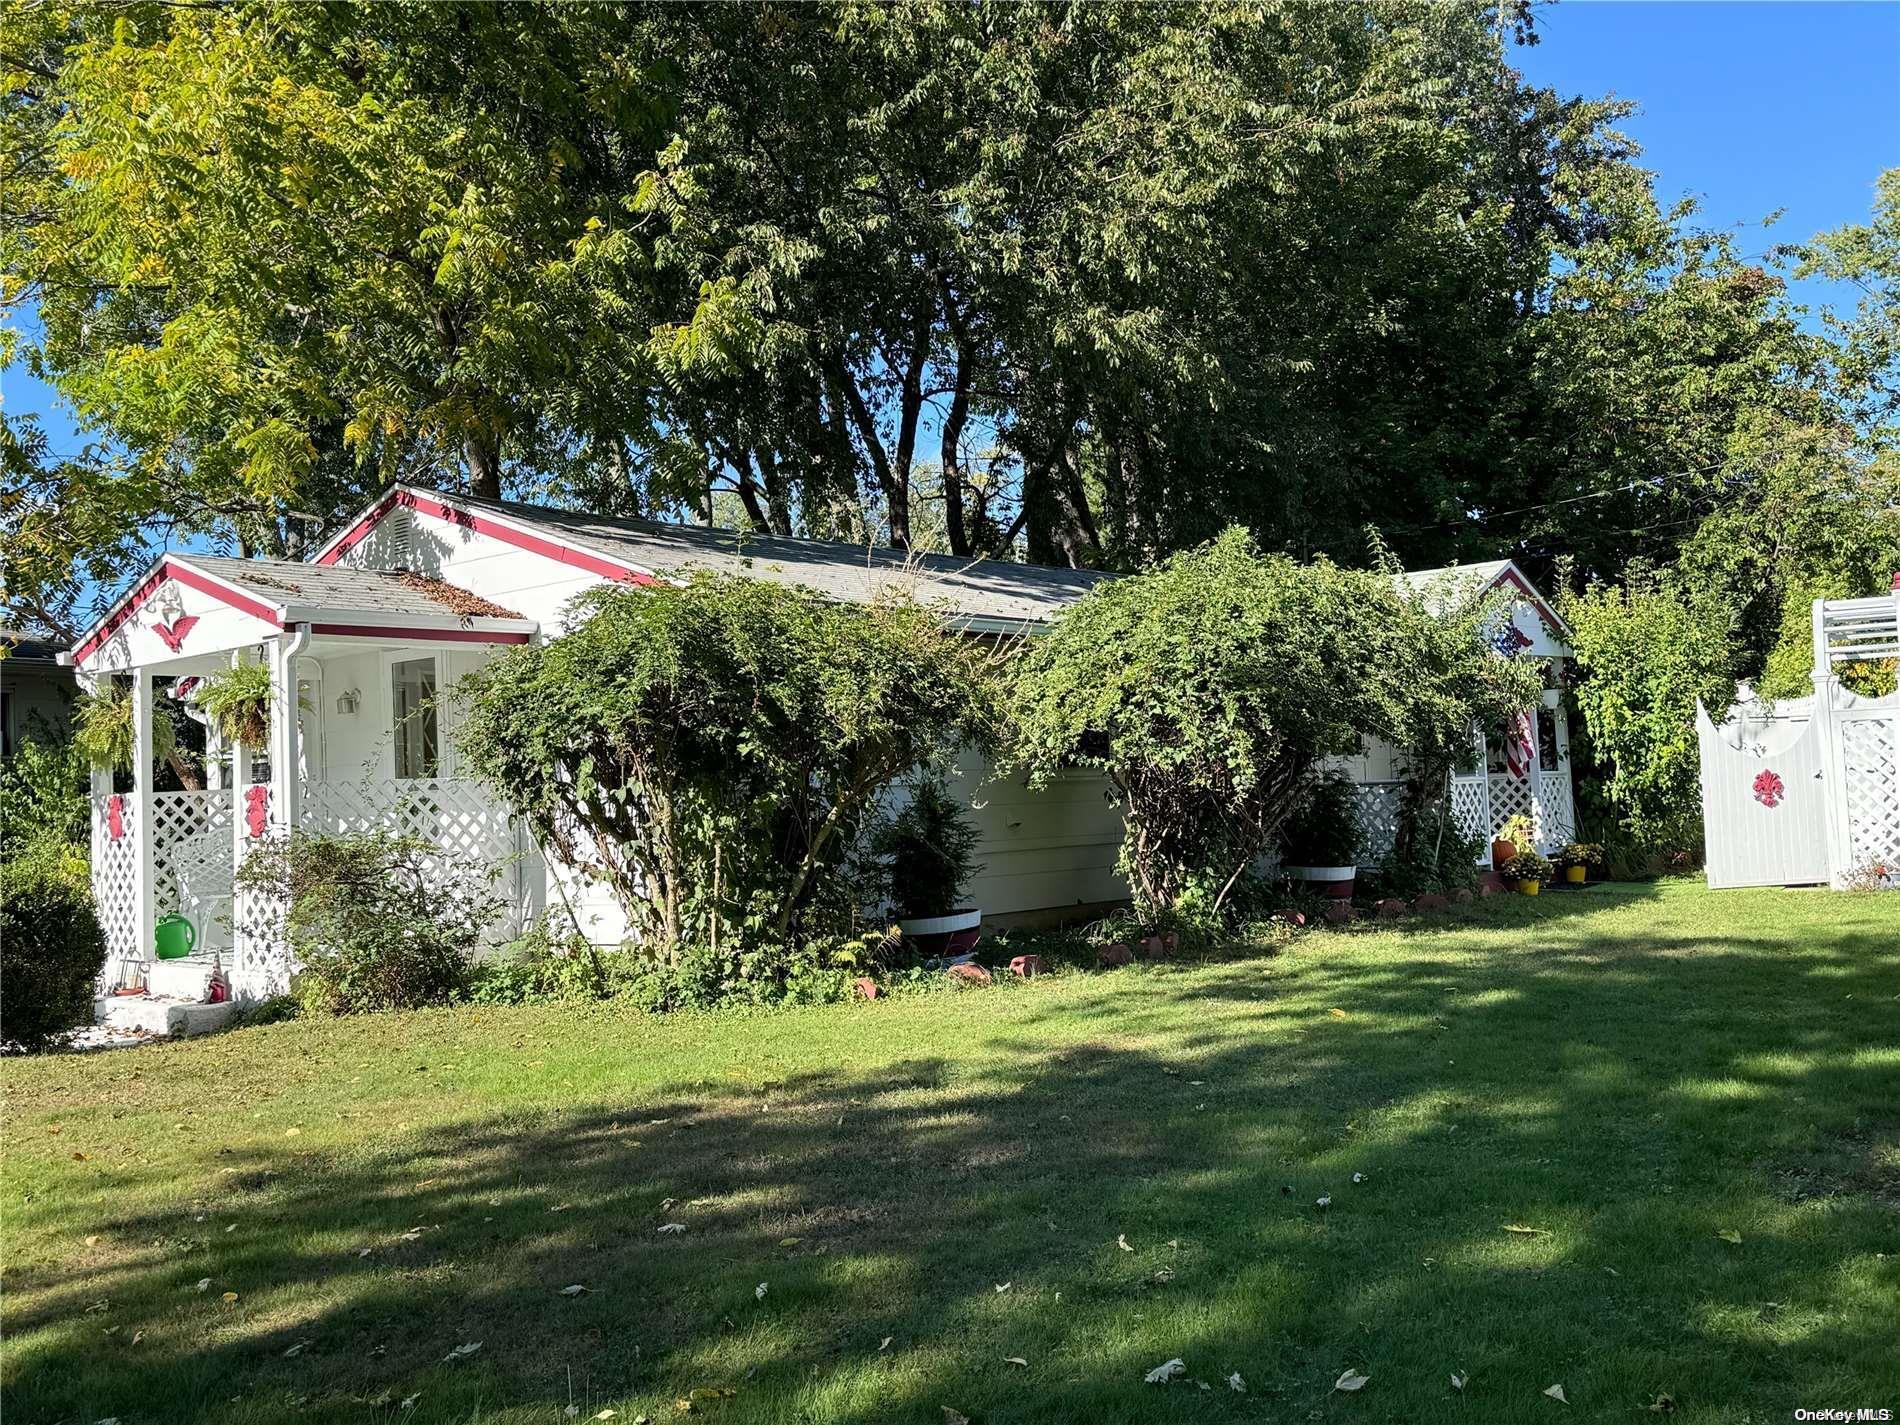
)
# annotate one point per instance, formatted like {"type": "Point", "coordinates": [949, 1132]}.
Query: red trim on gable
{"type": "Point", "coordinates": [1551, 621]}
{"type": "Point", "coordinates": [170, 568]}
{"type": "Point", "coordinates": [439, 635]}
{"type": "Point", "coordinates": [471, 520]}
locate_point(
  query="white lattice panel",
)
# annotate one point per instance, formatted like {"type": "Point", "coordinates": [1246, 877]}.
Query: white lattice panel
{"type": "Point", "coordinates": [191, 860]}
{"type": "Point", "coordinates": [1510, 796]}
{"type": "Point", "coordinates": [1471, 809]}
{"type": "Point", "coordinates": [1872, 785]}
{"type": "Point", "coordinates": [115, 878]}
{"type": "Point", "coordinates": [1378, 805]}
{"type": "Point", "coordinates": [1557, 825]}
{"type": "Point", "coordinates": [462, 819]}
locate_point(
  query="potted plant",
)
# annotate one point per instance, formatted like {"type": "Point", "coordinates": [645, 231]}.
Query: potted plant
{"type": "Point", "coordinates": [1529, 871]}
{"type": "Point", "coordinates": [1320, 843]}
{"type": "Point", "coordinates": [238, 700]}
{"type": "Point", "coordinates": [931, 847]}
{"type": "Point", "coordinates": [1577, 858]}
{"type": "Point", "coordinates": [103, 730]}
{"type": "Point", "coordinates": [1514, 836]}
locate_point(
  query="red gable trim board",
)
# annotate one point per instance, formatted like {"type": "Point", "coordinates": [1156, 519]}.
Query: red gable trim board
{"type": "Point", "coordinates": [169, 568]}
{"type": "Point", "coordinates": [1510, 575]}
{"type": "Point", "coordinates": [507, 531]}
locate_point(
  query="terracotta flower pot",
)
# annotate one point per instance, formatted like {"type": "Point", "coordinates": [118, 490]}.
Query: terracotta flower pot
{"type": "Point", "coordinates": [1502, 851]}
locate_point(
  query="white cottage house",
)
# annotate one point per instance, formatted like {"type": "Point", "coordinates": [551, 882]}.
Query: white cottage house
{"type": "Point", "coordinates": [424, 586]}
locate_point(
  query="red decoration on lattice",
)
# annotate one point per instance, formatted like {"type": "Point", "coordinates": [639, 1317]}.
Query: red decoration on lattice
{"type": "Point", "coordinates": [1769, 789]}
{"type": "Point", "coordinates": [115, 816]}
{"type": "Point", "coordinates": [256, 809]}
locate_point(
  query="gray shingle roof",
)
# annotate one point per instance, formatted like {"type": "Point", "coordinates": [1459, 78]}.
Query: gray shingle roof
{"type": "Point", "coordinates": [969, 589]}
{"type": "Point", "coordinates": [336, 588]}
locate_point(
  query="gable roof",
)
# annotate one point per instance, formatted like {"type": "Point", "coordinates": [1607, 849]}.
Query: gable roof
{"type": "Point", "coordinates": [1439, 585]}
{"type": "Point", "coordinates": [980, 593]}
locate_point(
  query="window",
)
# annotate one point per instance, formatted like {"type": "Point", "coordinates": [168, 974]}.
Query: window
{"type": "Point", "coordinates": [413, 705]}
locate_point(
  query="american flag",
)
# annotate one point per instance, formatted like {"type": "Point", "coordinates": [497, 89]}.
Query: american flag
{"type": "Point", "coordinates": [1520, 746]}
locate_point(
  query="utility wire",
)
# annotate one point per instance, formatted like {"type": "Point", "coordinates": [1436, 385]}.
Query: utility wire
{"type": "Point", "coordinates": [1645, 482]}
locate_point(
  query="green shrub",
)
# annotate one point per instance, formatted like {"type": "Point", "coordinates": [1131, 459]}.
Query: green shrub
{"type": "Point", "coordinates": [43, 797]}
{"type": "Point", "coordinates": [711, 750]}
{"type": "Point", "coordinates": [931, 847]}
{"type": "Point", "coordinates": [1325, 830]}
{"type": "Point", "coordinates": [373, 920]}
{"type": "Point", "coordinates": [51, 948]}
{"type": "Point", "coordinates": [543, 966]}
{"type": "Point", "coordinates": [1441, 865]}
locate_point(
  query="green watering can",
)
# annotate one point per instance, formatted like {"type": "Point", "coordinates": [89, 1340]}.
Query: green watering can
{"type": "Point", "coordinates": [173, 937]}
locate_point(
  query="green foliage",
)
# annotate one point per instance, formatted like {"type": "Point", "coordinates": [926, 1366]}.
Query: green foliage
{"type": "Point", "coordinates": [103, 729]}
{"type": "Point", "coordinates": [238, 700]}
{"type": "Point", "coordinates": [1520, 831]}
{"type": "Point", "coordinates": [931, 846]}
{"type": "Point", "coordinates": [1648, 653]}
{"type": "Point", "coordinates": [375, 921]}
{"type": "Point", "coordinates": [1443, 863]}
{"type": "Point", "coordinates": [51, 946]}
{"type": "Point", "coordinates": [543, 966]}
{"type": "Point", "coordinates": [1325, 830]}
{"type": "Point", "coordinates": [44, 797]}
{"type": "Point", "coordinates": [710, 750]}
{"type": "Point", "coordinates": [1209, 688]}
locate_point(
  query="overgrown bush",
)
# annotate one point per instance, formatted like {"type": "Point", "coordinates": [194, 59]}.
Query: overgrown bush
{"type": "Point", "coordinates": [51, 947]}
{"type": "Point", "coordinates": [43, 797]}
{"type": "Point", "coordinates": [1208, 689]}
{"type": "Point", "coordinates": [373, 919]}
{"type": "Point", "coordinates": [710, 750]}
{"type": "Point", "coordinates": [543, 966]}
{"type": "Point", "coordinates": [1439, 865]}
{"type": "Point", "coordinates": [930, 846]}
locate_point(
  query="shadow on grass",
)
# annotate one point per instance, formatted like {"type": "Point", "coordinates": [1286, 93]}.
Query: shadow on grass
{"type": "Point", "coordinates": [1625, 1098]}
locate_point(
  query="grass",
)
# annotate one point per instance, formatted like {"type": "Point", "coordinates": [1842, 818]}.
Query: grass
{"type": "Point", "coordinates": [1630, 1073]}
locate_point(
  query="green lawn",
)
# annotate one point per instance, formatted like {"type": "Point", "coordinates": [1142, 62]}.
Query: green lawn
{"type": "Point", "coordinates": [927, 1187]}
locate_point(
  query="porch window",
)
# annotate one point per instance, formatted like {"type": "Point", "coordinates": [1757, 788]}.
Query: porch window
{"type": "Point", "coordinates": [413, 705]}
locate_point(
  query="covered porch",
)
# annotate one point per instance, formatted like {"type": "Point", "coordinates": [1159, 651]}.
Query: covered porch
{"type": "Point", "coordinates": [361, 737]}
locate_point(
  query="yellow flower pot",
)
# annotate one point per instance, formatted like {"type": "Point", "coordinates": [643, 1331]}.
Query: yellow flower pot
{"type": "Point", "coordinates": [1576, 874]}
{"type": "Point", "coordinates": [1529, 888]}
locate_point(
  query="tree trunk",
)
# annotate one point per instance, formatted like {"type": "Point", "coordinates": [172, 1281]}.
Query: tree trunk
{"type": "Point", "coordinates": [484, 466]}
{"type": "Point", "coordinates": [959, 414]}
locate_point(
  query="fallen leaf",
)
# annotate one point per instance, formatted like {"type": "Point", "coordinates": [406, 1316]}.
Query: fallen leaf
{"type": "Point", "coordinates": [137, 1336]}
{"type": "Point", "coordinates": [1122, 1242]}
{"type": "Point", "coordinates": [1457, 1381]}
{"type": "Point", "coordinates": [230, 1296]}
{"type": "Point", "coordinates": [293, 1132]}
{"type": "Point", "coordinates": [954, 1417]}
{"type": "Point", "coordinates": [885, 1344]}
{"type": "Point", "coordinates": [674, 1227]}
{"type": "Point", "coordinates": [1234, 1382]}
{"type": "Point", "coordinates": [1004, 1287]}
{"type": "Point", "coordinates": [1556, 1392]}
{"type": "Point", "coordinates": [1014, 1361]}
{"type": "Point", "coordinates": [1350, 1380]}
{"type": "Point", "coordinates": [204, 1283]}
{"type": "Point", "coordinates": [574, 1290]}
{"type": "Point", "coordinates": [1524, 1231]}
{"type": "Point", "coordinates": [296, 1350]}
{"type": "Point", "coordinates": [1663, 1405]}
{"type": "Point", "coordinates": [92, 1241]}
{"type": "Point", "coordinates": [1166, 1372]}
{"type": "Point", "coordinates": [1729, 1234]}
{"type": "Point", "coordinates": [790, 1241]}
{"type": "Point", "coordinates": [1358, 1177]}
{"type": "Point", "coordinates": [409, 1401]}
{"type": "Point", "coordinates": [759, 1291]}
{"type": "Point", "coordinates": [461, 1353]}
{"type": "Point", "coordinates": [606, 1414]}
{"type": "Point", "coordinates": [1337, 1013]}
{"type": "Point", "coordinates": [1326, 1201]}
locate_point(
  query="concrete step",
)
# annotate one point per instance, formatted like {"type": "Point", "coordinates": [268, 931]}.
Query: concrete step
{"type": "Point", "coordinates": [185, 979]}
{"type": "Point", "coordinates": [160, 1016]}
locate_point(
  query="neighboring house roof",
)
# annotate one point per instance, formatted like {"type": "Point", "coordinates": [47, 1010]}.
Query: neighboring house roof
{"type": "Point", "coordinates": [976, 591]}
{"type": "Point", "coordinates": [24, 648]}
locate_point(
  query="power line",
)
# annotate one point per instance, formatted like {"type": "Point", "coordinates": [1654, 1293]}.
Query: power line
{"type": "Point", "coordinates": [1645, 482]}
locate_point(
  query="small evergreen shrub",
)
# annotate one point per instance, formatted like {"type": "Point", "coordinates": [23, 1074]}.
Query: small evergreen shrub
{"type": "Point", "coordinates": [51, 947]}
{"type": "Point", "coordinates": [931, 848]}
{"type": "Point", "coordinates": [1325, 830]}
{"type": "Point", "coordinates": [373, 921]}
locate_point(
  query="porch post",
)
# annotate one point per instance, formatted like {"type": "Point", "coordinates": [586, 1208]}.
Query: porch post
{"type": "Point", "coordinates": [1534, 773]}
{"type": "Point", "coordinates": [286, 780]}
{"type": "Point", "coordinates": [1833, 757]}
{"type": "Point", "coordinates": [243, 930]}
{"type": "Point", "coordinates": [144, 892]}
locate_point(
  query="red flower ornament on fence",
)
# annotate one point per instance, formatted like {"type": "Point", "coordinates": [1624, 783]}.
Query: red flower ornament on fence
{"type": "Point", "coordinates": [1769, 789]}
{"type": "Point", "coordinates": [256, 809]}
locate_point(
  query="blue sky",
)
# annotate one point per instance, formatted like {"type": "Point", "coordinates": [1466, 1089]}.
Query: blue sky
{"type": "Point", "coordinates": [1751, 107]}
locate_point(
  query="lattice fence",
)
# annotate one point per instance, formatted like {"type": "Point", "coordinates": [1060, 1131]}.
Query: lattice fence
{"type": "Point", "coordinates": [191, 860]}
{"type": "Point", "coordinates": [1510, 796]}
{"type": "Point", "coordinates": [472, 832]}
{"type": "Point", "coordinates": [115, 877]}
{"type": "Point", "coordinates": [1872, 785]}
{"type": "Point", "coordinates": [1471, 809]}
{"type": "Point", "coordinates": [1557, 819]}
{"type": "Point", "coordinates": [1379, 804]}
